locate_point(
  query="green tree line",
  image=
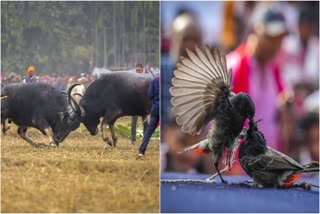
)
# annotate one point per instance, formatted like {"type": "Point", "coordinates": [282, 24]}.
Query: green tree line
{"type": "Point", "coordinates": [72, 37]}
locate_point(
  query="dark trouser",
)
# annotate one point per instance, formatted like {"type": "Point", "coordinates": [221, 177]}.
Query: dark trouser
{"type": "Point", "coordinates": [147, 135]}
{"type": "Point", "coordinates": [134, 126]}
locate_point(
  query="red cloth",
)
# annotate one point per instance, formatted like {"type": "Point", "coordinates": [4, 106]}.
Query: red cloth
{"type": "Point", "coordinates": [241, 75]}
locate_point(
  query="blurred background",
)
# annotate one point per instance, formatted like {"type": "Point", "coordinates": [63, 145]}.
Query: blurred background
{"type": "Point", "coordinates": [273, 50]}
{"type": "Point", "coordinates": [69, 42]}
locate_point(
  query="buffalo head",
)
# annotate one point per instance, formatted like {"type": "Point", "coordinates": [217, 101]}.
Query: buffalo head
{"type": "Point", "coordinates": [68, 120]}
{"type": "Point", "coordinates": [75, 113]}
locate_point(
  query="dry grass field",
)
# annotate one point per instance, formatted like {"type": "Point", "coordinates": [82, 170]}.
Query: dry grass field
{"type": "Point", "coordinates": [79, 176]}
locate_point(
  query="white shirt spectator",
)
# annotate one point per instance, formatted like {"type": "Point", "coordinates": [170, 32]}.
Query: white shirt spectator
{"type": "Point", "coordinates": [299, 65]}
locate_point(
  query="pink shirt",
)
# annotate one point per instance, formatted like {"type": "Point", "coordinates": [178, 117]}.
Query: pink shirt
{"type": "Point", "coordinates": [264, 92]}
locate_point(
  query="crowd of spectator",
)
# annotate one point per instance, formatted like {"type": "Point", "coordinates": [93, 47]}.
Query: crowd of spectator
{"type": "Point", "coordinates": [61, 83]}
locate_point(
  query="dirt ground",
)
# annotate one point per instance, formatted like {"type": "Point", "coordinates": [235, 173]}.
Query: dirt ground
{"type": "Point", "coordinates": [79, 176]}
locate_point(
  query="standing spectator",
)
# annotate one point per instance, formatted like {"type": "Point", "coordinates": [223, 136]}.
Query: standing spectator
{"type": "Point", "coordinates": [255, 70]}
{"type": "Point", "coordinates": [30, 78]}
{"type": "Point", "coordinates": [13, 78]}
{"type": "Point", "coordinates": [61, 84]}
{"type": "Point", "coordinates": [45, 79]}
{"type": "Point", "coordinates": [299, 60]}
{"type": "Point", "coordinates": [185, 33]}
{"type": "Point", "coordinates": [79, 89]}
{"type": "Point", "coordinates": [153, 93]}
{"type": "Point", "coordinates": [300, 53]}
{"type": "Point", "coordinates": [56, 82]}
{"type": "Point", "coordinates": [134, 119]}
{"type": "Point", "coordinates": [72, 80]}
{"type": "Point", "coordinates": [139, 69]}
{"type": "Point", "coordinates": [309, 125]}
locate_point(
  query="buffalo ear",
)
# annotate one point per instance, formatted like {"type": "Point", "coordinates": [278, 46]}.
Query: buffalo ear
{"type": "Point", "coordinates": [61, 115]}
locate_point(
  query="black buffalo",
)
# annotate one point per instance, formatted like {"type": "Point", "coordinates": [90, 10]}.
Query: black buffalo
{"type": "Point", "coordinates": [40, 106]}
{"type": "Point", "coordinates": [112, 96]}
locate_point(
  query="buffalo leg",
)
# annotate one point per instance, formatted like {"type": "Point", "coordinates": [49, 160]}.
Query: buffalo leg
{"type": "Point", "coordinates": [134, 120]}
{"type": "Point", "coordinates": [44, 127]}
{"type": "Point", "coordinates": [5, 128]}
{"type": "Point", "coordinates": [49, 133]}
{"type": "Point", "coordinates": [104, 134]}
{"type": "Point", "coordinates": [22, 131]}
{"type": "Point", "coordinates": [110, 118]}
{"type": "Point", "coordinates": [145, 123]}
{"type": "Point", "coordinates": [113, 134]}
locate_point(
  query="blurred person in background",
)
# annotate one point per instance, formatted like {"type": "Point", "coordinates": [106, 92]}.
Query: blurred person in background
{"type": "Point", "coordinates": [310, 133]}
{"type": "Point", "coordinates": [37, 77]}
{"type": "Point", "coordinates": [13, 78]}
{"type": "Point", "coordinates": [185, 33]}
{"type": "Point", "coordinates": [30, 78]}
{"type": "Point", "coordinates": [300, 53]}
{"type": "Point", "coordinates": [235, 17]}
{"type": "Point", "coordinates": [309, 129]}
{"type": "Point", "coordinates": [134, 119]}
{"type": "Point", "coordinates": [91, 78]}
{"type": "Point", "coordinates": [45, 79]}
{"type": "Point", "coordinates": [241, 13]}
{"type": "Point", "coordinates": [54, 82]}
{"type": "Point", "coordinates": [79, 89]}
{"type": "Point", "coordinates": [299, 59]}
{"type": "Point", "coordinates": [61, 83]}
{"type": "Point", "coordinates": [72, 80]}
{"type": "Point", "coordinates": [256, 72]}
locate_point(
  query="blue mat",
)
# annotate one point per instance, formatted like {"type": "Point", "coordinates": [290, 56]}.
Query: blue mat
{"type": "Point", "coordinates": [203, 197]}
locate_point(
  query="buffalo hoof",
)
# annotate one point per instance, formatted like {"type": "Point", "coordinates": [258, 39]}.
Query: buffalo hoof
{"type": "Point", "coordinates": [5, 129]}
{"type": "Point", "coordinates": [112, 143]}
{"type": "Point", "coordinates": [38, 145]}
{"type": "Point", "coordinates": [108, 141]}
{"type": "Point", "coordinates": [54, 145]}
{"type": "Point", "coordinates": [115, 141]}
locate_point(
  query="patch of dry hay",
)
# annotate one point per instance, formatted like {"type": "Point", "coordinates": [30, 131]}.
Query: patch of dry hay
{"type": "Point", "coordinates": [79, 176]}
